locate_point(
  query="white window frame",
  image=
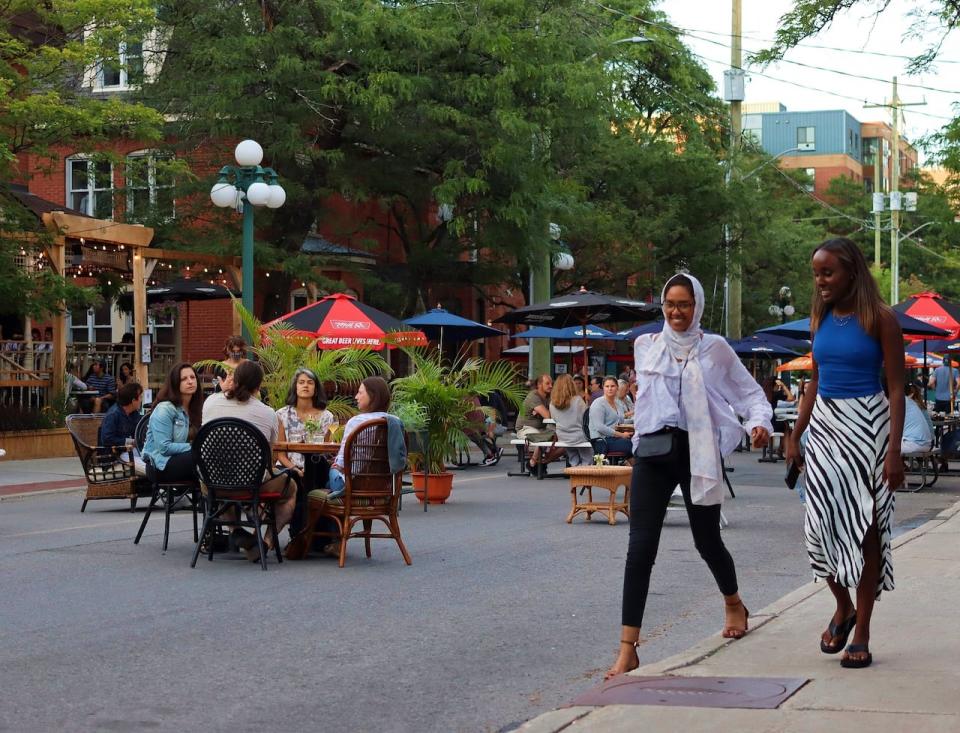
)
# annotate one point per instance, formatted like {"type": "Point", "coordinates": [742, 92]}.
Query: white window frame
{"type": "Point", "coordinates": [812, 175]}
{"type": "Point", "coordinates": [92, 191]}
{"type": "Point", "coordinates": [152, 187]}
{"type": "Point", "coordinates": [123, 75]}
{"type": "Point", "coordinates": [809, 141]}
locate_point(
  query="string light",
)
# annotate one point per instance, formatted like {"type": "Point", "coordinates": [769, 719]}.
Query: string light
{"type": "Point", "coordinates": [268, 274]}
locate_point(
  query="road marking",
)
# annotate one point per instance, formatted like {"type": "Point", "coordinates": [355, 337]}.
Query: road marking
{"type": "Point", "coordinates": [70, 529]}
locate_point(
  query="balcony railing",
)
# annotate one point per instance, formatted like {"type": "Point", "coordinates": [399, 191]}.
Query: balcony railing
{"type": "Point", "coordinates": [26, 367]}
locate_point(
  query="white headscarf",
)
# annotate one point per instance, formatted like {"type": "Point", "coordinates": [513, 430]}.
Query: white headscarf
{"type": "Point", "coordinates": [677, 354]}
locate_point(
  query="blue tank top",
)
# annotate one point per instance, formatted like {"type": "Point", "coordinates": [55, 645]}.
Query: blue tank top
{"type": "Point", "coordinates": [848, 359]}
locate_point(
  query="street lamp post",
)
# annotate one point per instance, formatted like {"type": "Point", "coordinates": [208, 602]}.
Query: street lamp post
{"type": "Point", "coordinates": [242, 187]}
{"type": "Point", "coordinates": [783, 307]}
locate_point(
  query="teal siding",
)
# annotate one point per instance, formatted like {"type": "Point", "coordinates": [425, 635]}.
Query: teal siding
{"type": "Point", "coordinates": [835, 132]}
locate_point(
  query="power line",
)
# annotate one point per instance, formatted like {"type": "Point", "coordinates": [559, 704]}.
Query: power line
{"type": "Point", "coordinates": [902, 57]}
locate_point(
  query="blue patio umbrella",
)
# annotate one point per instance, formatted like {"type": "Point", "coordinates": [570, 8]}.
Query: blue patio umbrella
{"type": "Point", "coordinates": [630, 334]}
{"type": "Point", "coordinates": [761, 346]}
{"type": "Point", "coordinates": [571, 333]}
{"type": "Point", "coordinates": [801, 329]}
{"type": "Point", "coordinates": [935, 345]}
{"type": "Point", "coordinates": [438, 323]}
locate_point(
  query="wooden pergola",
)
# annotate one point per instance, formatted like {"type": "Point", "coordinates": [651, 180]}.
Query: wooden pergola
{"type": "Point", "coordinates": [136, 255]}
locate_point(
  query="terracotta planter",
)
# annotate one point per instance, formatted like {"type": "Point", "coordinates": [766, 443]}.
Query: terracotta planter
{"type": "Point", "coordinates": [439, 486]}
{"type": "Point", "coordinates": [26, 444]}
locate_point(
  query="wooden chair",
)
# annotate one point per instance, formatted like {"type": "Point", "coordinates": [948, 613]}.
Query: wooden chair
{"type": "Point", "coordinates": [371, 492]}
{"type": "Point", "coordinates": [107, 476]}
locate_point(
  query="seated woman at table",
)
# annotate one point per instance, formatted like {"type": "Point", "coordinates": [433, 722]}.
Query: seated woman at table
{"type": "Point", "coordinates": [566, 408]}
{"type": "Point", "coordinates": [917, 425]}
{"type": "Point", "coordinates": [305, 401]}
{"type": "Point", "coordinates": [373, 400]}
{"type": "Point", "coordinates": [605, 415]}
{"type": "Point", "coordinates": [625, 398]}
{"type": "Point", "coordinates": [777, 393]}
{"type": "Point", "coordinates": [239, 400]}
{"type": "Point", "coordinates": [174, 422]}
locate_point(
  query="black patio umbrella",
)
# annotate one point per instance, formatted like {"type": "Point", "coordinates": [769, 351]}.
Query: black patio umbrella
{"type": "Point", "coordinates": [800, 329]}
{"type": "Point", "coordinates": [184, 289]}
{"type": "Point", "coordinates": [581, 309]}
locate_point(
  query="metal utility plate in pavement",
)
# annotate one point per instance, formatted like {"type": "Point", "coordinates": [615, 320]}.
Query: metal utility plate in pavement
{"type": "Point", "coordinates": [757, 693]}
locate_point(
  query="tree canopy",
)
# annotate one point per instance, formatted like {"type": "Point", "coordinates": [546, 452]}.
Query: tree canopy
{"type": "Point", "coordinates": [45, 48]}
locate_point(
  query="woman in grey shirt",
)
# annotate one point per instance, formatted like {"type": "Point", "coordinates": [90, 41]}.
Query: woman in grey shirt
{"type": "Point", "coordinates": [606, 413]}
{"type": "Point", "coordinates": [567, 408]}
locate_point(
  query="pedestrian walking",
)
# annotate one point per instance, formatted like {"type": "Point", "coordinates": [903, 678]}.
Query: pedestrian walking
{"type": "Point", "coordinates": [853, 453]}
{"type": "Point", "coordinates": [687, 383]}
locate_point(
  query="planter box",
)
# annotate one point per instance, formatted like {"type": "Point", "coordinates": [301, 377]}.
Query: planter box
{"type": "Point", "coordinates": [26, 444]}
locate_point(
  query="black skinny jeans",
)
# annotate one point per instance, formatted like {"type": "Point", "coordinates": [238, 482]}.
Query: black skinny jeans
{"type": "Point", "coordinates": [652, 484]}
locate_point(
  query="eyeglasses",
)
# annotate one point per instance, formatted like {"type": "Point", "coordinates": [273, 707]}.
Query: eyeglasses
{"type": "Point", "coordinates": [684, 306]}
{"type": "Point", "coordinates": [236, 352]}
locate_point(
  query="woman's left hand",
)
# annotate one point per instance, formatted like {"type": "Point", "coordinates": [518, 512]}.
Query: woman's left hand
{"type": "Point", "coordinates": [893, 471]}
{"type": "Point", "coordinates": [759, 437]}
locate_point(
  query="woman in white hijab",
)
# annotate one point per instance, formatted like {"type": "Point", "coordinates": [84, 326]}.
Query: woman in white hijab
{"type": "Point", "coordinates": [687, 383]}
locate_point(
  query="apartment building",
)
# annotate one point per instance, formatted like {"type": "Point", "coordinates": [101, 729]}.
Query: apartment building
{"type": "Point", "coordinates": [826, 144]}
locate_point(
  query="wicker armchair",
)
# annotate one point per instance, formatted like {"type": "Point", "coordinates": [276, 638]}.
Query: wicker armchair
{"type": "Point", "coordinates": [371, 492]}
{"type": "Point", "coordinates": [107, 476]}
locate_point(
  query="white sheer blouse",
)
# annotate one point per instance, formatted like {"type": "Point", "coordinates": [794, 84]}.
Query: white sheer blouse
{"type": "Point", "coordinates": [731, 392]}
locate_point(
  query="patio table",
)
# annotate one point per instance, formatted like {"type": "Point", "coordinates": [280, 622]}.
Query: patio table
{"type": "Point", "coordinates": [313, 453]}
{"type": "Point", "coordinates": [609, 478]}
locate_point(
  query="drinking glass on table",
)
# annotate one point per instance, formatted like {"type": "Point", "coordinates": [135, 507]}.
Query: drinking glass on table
{"type": "Point", "coordinates": [296, 435]}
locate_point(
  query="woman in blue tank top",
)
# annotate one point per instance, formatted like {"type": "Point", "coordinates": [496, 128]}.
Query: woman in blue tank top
{"type": "Point", "coordinates": [852, 458]}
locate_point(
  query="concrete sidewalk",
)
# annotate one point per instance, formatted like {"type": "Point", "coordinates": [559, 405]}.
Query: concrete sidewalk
{"type": "Point", "coordinates": [35, 476]}
{"type": "Point", "coordinates": [912, 685]}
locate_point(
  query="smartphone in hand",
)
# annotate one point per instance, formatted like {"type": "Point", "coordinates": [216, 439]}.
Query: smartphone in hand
{"type": "Point", "coordinates": [793, 474]}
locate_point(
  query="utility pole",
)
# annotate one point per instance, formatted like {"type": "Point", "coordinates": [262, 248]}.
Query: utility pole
{"type": "Point", "coordinates": [734, 93]}
{"type": "Point", "coordinates": [877, 211]}
{"type": "Point", "coordinates": [895, 106]}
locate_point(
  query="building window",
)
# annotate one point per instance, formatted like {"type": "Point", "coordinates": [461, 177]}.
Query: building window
{"type": "Point", "coordinates": [868, 185]}
{"type": "Point", "coordinates": [812, 176]}
{"type": "Point", "coordinates": [299, 299]}
{"type": "Point", "coordinates": [149, 187]}
{"type": "Point", "coordinates": [92, 325]}
{"type": "Point", "coordinates": [806, 138]}
{"type": "Point", "coordinates": [90, 186]}
{"type": "Point", "coordinates": [869, 150]}
{"type": "Point", "coordinates": [123, 72]}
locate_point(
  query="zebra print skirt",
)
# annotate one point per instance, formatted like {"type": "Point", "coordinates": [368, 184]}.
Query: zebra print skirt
{"type": "Point", "coordinates": [845, 487]}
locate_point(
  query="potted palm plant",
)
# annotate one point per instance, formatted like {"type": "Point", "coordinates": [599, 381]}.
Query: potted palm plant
{"type": "Point", "coordinates": [435, 401]}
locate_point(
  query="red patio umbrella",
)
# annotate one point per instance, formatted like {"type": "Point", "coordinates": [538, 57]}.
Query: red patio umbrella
{"type": "Point", "coordinates": [930, 308]}
{"type": "Point", "coordinates": [340, 321]}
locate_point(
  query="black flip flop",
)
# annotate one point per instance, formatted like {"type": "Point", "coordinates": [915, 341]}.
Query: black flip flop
{"type": "Point", "coordinates": [851, 663]}
{"type": "Point", "coordinates": [840, 632]}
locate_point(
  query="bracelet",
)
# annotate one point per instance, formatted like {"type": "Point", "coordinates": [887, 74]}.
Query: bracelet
{"type": "Point", "coordinates": [634, 643]}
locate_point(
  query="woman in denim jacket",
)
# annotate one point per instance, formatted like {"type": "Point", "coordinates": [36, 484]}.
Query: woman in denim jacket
{"type": "Point", "coordinates": [173, 423]}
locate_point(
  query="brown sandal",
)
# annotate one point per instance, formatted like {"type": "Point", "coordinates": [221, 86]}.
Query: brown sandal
{"type": "Point", "coordinates": [734, 633]}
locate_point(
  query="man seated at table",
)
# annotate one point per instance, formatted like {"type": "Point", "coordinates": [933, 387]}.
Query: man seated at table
{"type": "Point", "coordinates": [530, 425]}
{"type": "Point", "coordinates": [121, 420]}
{"type": "Point", "coordinates": [239, 400]}
{"type": "Point", "coordinates": [106, 386]}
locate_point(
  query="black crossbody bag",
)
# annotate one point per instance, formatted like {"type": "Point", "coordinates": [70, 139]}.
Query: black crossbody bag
{"type": "Point", "coordinates": [661, 446]}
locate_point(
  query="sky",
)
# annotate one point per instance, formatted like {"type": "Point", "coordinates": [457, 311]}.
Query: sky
{"type": "Point", "coordinates": [849, 41]}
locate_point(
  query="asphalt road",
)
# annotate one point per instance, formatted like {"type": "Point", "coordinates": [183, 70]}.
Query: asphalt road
{"type": "Point", "coordinates": [506, 612]}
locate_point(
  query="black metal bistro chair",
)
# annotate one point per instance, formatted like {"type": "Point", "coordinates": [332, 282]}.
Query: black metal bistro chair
{"type": "Point", "coordinates": [233, 461]}
{"type": "Point", "coordinates": [167, 494]}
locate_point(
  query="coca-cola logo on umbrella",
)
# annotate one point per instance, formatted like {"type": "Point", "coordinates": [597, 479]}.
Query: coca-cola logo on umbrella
{"type": "Point", "coordinates": [351, 325]}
